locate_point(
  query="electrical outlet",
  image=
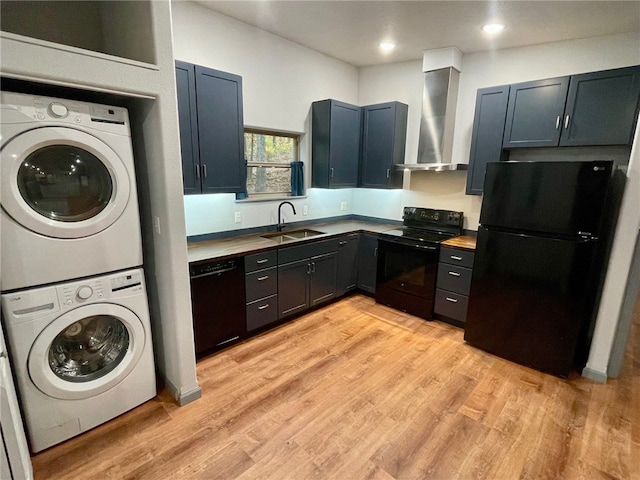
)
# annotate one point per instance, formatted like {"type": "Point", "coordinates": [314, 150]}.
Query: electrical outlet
{"type": "Point", "coordinates": [343, 206]}
{"type": "Point", "coordinates": [238, 217]}
{"type": "Point", "coordinates": [305, 209]}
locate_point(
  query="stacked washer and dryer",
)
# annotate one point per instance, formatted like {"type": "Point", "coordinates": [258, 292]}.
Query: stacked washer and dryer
{"type": "Point", "coordinates": [74, 303]}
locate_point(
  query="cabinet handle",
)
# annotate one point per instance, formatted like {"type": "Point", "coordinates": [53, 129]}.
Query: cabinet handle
{"type": "Point", "coordinates": [308, 269]}
{"type": "Point", "coordinates": [375, 252]}
{"type": "Point", "coordinates": [262, 307]}
{"type": "Point", "coordinates": [454, 274]}
{"type": "Point", "coordinates": [557, 121]}
{"type": "Point", "coordinates": [455, 257]}
{"type": "Point", "coordinates": [331, 172]}
{"type": "Point", "coordinates": [452, 300]}
{"type": "Point", "coordinates": [388, 172]}
{"type": "Point", "coordinates": [344, 242]}
{"type": "Point", "coordinates": [204, 171]}
{"type": "Point", "coordinates": [260, 279]}
{"type": "Point", "coordinates": [263, 260]}
{"type": "Point", "coordinates": [566, 122]}
{"type": "Point", "coordinates": [198, 172]}
{"type": "Point", "coordinates": [313, 267]}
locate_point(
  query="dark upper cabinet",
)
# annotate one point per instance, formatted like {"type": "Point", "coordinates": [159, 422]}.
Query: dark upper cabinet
{"type": "Point", "coordinates": [601, 108]}
{"type": "Point", "coordinates": [597, 108]}
{"type": "Point", "coordinates": [347, 270]}
{"type": "Point", "coordinates": [535, 112]}
{"type": "Point", "coordinates": [384, 133]}
{"type": "Point", "coordinates": [211, 129]}
{"type": "Point", "coordinates": [335, 144]}
{"type": "Point", "coordinates": [486, 137]}
{"type": "Point", "coordinates": [188, 119]}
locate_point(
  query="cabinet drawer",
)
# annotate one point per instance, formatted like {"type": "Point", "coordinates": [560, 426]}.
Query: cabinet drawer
{"type": "Point", "coordinates": [456, 257]}
{"type": "Point", "coordinates": [262, 312]}
{"type": "Point", "coordinates": [451, 277]}
{"type": "Point", "coordinates": [260, 261]}
{"type": "Point", "coordinates": [307, 250]}
{"type": "Point", "coordinates": [452, 305]}
{"type": "Point", "coordinates": [261, 283]}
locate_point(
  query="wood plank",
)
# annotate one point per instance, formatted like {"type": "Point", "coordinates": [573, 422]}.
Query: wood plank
{"type": "Point", "coordinates": [359, 390]}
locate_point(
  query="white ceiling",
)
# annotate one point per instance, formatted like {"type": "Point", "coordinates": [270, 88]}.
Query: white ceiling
{"type": "Point", "coordinates": [351, 30]}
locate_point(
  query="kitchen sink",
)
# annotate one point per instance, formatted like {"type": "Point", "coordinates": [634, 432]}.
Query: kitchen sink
{"type": "Point", "coordinates": [283, 237]}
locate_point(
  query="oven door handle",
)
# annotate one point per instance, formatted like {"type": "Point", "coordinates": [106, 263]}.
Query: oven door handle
{"type": "Point", "coordinates": [410, 244]}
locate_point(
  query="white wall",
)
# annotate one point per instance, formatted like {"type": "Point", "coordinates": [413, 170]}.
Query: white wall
{"type": "Point", "coordinates": [404, 82]}
{"type": "Point", "coordinates": [280, 81]}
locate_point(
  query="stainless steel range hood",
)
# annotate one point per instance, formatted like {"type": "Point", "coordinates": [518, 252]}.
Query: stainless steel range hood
{"type": "Point", "coordinates": [435, 143]}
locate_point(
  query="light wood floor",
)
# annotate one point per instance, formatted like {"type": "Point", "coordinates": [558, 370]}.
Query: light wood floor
{"type": "Point", "coordinates": [360, 391]}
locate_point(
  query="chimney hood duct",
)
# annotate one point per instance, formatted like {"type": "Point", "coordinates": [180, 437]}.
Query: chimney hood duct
{"type": "Point", "coordinates": [436, 124]}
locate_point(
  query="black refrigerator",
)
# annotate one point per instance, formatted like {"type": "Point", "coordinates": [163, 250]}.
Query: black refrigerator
{"type": "Point", "coordinates": [539, 261]}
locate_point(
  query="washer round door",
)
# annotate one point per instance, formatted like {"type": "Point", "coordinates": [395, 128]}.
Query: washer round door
{"type": "Point", "coordinates": [86, 351]}
{"type": "Point", "coordinates": [62, 182]}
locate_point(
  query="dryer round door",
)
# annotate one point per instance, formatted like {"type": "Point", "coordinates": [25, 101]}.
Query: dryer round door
{"type": "Point", "coordinates": [86, 351]}
{"type": "Point", "coordinates": [62, 182]}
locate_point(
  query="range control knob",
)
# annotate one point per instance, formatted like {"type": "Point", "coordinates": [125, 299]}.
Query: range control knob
{"type": "Point", "coordinates": [58, 110]}
{"type": "Point", "coordinates": [84, 292]}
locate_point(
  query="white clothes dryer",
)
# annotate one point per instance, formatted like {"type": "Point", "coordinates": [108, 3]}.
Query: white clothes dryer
{"type": "Point", "coordinates": [67, 189]}
{"type": "Point", "coordinates": [82, 353]}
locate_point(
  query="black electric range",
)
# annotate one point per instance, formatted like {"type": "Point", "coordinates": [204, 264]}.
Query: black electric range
{"type": "Point", "coordinates": [408, 259]}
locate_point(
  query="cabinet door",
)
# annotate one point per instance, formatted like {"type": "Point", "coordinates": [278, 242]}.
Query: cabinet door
{"type": "Point", "coordinates": [347, 275]}
{"type": "Point", "coordinates": [220, 131]}
{"type": "Point", "coordinates": [384, 130]}
{"type": "Point", "coordinates": [187, 117]}
{"type": "Point", "coordinates": [293, 287]}
{"type": "Point", "coordinates": [322, 281]}
{"type": "Point", "coordinates": [486, 138]}
{"type": "Point", "coordinates": [335, 147]}
{"type": "Point", "coordinates": [601, 108]}
{"type": "Point", "coordinates": [534, 113]}
{"type": "Point", "coordinates": [367, 262]}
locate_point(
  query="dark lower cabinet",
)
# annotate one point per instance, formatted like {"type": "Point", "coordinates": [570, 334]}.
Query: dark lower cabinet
{"type": "Point", "coordinates": [347, 269]}
{"type": "Point", "coordinates": [453, 285]}
{"type": "Point", "coordinates": [367, 262]}
{"type": "Point", "coordinates": [261, 282]}
{"type": "Point", "coordinates": [293, 287]}
{"type": "Point", "coordinates": [306, 276]}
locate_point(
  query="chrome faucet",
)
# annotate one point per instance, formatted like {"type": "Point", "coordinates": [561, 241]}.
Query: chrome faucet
{"type": "Point", "coordinates": [280, 222]}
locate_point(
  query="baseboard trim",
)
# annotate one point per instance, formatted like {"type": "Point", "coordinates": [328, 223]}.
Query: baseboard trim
{"type": "Point", "coordinates": [183, 398]}
{"type": "Point", "coordinates": [594, 375]}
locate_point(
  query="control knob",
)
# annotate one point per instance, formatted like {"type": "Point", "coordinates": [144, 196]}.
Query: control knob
{"type": "Point", "coordinates": [58, 110]}
{"type": "Point", "coordinates": [84, 292]}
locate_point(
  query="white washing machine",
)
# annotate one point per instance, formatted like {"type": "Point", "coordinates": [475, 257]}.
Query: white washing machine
{"type": "Point", "coordinates": [67, 189]}
{"type": "Point", "coordinates": [81, 352]}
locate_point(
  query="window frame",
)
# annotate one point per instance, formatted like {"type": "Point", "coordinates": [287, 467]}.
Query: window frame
{"type": "Point", "coordinates": [296, 157]}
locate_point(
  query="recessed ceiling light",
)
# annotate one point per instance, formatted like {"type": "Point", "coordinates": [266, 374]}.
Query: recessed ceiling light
{"type": "Point", "coordinates": [387, 46]}
{"type": "Point", "coordinates": [493, 27]}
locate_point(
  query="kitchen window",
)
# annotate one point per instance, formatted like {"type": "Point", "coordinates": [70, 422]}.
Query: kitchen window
{"type": "Point", "coordinates": [272, 160]}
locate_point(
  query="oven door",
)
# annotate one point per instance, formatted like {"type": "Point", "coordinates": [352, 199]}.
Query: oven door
{"type": "Point", "coordinates": [407, 268]}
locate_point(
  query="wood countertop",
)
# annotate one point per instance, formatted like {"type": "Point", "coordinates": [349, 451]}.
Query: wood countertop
{"type": "Point", "coordinates": [463, 242]}
{"type": "Point", "coordinates": [245, 244]}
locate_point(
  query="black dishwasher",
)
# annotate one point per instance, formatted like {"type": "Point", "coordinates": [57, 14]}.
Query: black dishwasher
{"type": "Point", "coordinates": [218, 303]}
